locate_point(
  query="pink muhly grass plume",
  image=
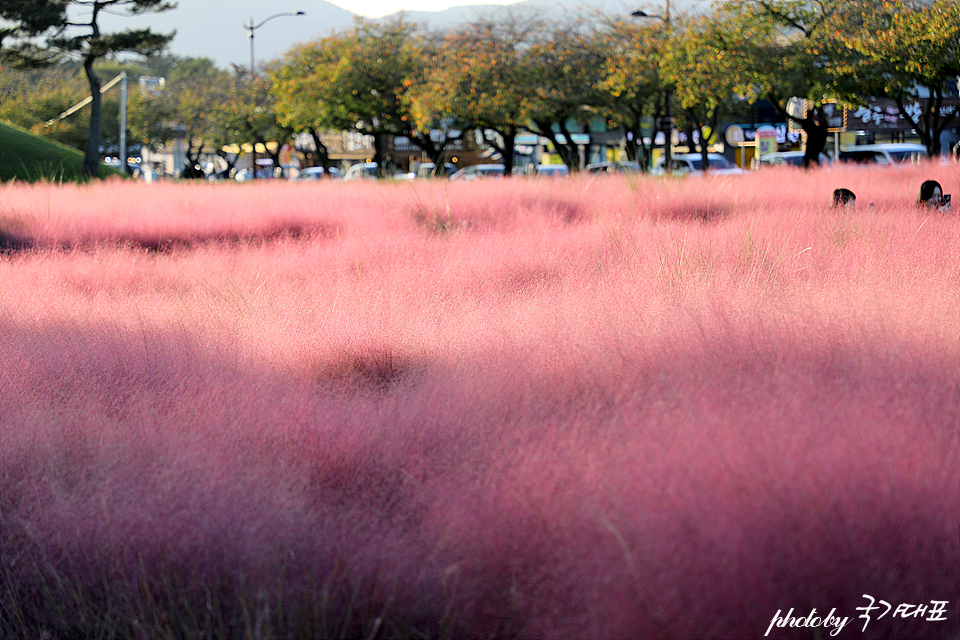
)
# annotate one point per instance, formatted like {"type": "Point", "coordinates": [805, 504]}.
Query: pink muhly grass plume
{"type": "Point", "coordinates": [583, 408]}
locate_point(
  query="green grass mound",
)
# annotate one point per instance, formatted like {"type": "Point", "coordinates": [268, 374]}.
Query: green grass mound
{"type": "Point", "coordinates": [29, 158]}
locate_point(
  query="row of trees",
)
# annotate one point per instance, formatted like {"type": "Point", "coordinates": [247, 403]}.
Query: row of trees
{"type": "Point", "coordinates": [511, 72]}
{"type": "Point", "coordinates": [507, 73]}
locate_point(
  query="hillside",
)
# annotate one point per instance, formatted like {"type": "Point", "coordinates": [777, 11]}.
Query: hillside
{"type": "Point", "coordinates": [29, 158]}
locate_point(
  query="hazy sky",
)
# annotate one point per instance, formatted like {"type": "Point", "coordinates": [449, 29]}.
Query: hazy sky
{"type": "Point", "coordinates": [380, 8]}
{"type": "Point", "coordinates": [215, 28]}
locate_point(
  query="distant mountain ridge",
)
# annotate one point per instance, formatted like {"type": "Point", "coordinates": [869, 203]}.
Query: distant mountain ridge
{"type": "Point", "coordinates": [215, 28]}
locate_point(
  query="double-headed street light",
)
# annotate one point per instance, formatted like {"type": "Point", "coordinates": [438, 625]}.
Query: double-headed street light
{"type": "Point", "coordinates": [250, 27]}
{"type": "Point", "coordinates": [667, 121]}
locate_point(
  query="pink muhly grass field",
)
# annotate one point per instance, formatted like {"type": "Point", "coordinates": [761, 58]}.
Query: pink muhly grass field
{"type": "Point", "coordinates": [590, 408]}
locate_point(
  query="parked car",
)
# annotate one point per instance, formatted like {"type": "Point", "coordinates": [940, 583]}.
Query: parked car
{"type": "Point", "coordinates": [613, 167]}
{"type": "Point", "coordinates": [552, 170]}
{"type": "Point", "coordinates": [287, 172]}
{"type": "Point", "coordinates": [318, 173]}
{"type": "Point", "coordinates": [425, 170]}
{"type": "Point", "coordinates": [479, 171]}
{"type": "Point", "coordinates": [361, 171]}
{"type": "Point", "coordinates": [368, 171]}
{"type": "Point", "coordinates": [267, 171]}
{"type": "Point", "coordinates": [690, 163]}
{"type": "Point", "coordinates": [790, 158]}
{"type": "Point", "coordinates": [892, 153]}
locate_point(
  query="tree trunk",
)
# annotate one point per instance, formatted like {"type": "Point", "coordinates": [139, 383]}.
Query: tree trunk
{"type": "Point", "coordinates": [507, 150]}
{"type": "Point", "coordinates": [816, 128]}
{"type": "Point", "coordinates": [191, 169]}
{"type": "Point", "coordinates": [633, 137]}
{"type": "Point", "coordinates": [817, 133]}
{"type": "Point", "coordinates": [91, 157]}
{"type": "Point", "coordinates": [930, 124]}
{"type": "Point", "coordinates": [323, 154]}
{"type": "Point", "coordinates": [702, 143]}
{"type": "Point", "coordinates": [704, 150]}
{"type": "Point", "coordinates": [567, 150]}
{"type": "Point", "coordinates": [378, 154]}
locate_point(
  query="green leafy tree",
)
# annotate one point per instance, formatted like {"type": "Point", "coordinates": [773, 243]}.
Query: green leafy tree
{"type": "Point", "coordinates": [307, 92]}
{"type": "Point", "coordinates": [249, 114]}
{"type": "Point", "coordinates": [33, 97]}
{"type": "Point", "coordinates": [904, 45]}
{"type": "Point", "coordinates": [381, 65]}
{"type": "Point", "coordinates": [187, 107]}
{"type": "Point", "coordinates": [701, 76]}
{"type": "Point", "coordinates": [783, 49]}
{"type": "Point", "coordinates": [632, 81]}
{"type": "Point", "coordinates": [481, 80]}
{"type": "Point", "coordinates": [361, 80]}
{"type": "Point", "coordinates": [45, 31]}
{"type": "Point", "coordinates": [566, 71]}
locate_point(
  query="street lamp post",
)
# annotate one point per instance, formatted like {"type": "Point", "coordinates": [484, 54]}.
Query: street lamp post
{"type": "Point", "coordinates": [668, 113]}
{"type": "Point", "coordinates": [250, 27]}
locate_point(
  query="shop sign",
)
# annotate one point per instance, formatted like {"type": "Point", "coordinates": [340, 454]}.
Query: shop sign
{"type": "Point", "coordinates": [883, 114]}
{"type": "Point", "coordinates": [836, 114]}
{"type": "Point", "coordinates": [742, 134]}
{"type": "Point", "coordinates": [766, 137]}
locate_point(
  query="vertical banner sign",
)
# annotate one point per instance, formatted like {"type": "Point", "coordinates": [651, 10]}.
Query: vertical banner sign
{"type": "Point", "coordinates": [766, 140]}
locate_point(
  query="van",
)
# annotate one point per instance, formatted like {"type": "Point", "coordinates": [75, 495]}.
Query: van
{"type": "Point", "coordinates": [692, 164]}
{"type": "Point", "coordinates": [892, 153]}
{"type": "Point", "coordinates": [361, 171]}
{"type": "Point", "coordinates": [788, 158]}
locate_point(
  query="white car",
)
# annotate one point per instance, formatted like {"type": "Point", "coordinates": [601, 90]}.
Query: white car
{"type": "Point", "coordinates": [692, 163]}
{"type": "Point", "coordinates": [318, 173]}
{"type": "Point", "coordinates": [892, 153]}
{"type": "Point", "coordinates": [425, 170]}
{"type": "Point", "coordinates": [361, 171]}
{"type": "Point", "coordinates": [790, 158]}
{"type": "Point", "coordinates": [552, 170]}
{"type": "Point", "coordinates": [613, 167]}
{"type": "Point", "coordinates": [479, 171]}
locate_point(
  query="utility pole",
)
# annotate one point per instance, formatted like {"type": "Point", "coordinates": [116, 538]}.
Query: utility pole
{"type": "Point", "coordinates": [123, 122]}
